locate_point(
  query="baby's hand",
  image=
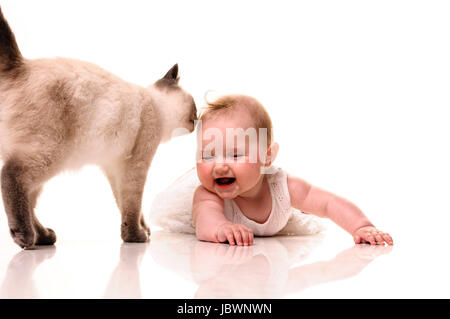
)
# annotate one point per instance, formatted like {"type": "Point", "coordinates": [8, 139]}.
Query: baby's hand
{"type": "Point", "coordinates": [369, 234]}
{"type": "Point", "coordinates": [235, 234]}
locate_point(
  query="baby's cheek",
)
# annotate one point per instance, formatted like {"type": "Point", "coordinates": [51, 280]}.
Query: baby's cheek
{"type": "Point", "coordinates": [248, 172]}
{"type": "Point", "coordinates": [204, 173]}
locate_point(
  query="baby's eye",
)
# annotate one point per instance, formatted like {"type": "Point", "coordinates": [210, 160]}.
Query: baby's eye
{"type": "Point", "coordinates": [208, 158]}
{"type": "Point", "coordinates": [238, 157]}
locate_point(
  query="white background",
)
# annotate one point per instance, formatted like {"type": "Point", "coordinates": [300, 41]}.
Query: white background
{"type": "Point", "coordinates": [358, 92]}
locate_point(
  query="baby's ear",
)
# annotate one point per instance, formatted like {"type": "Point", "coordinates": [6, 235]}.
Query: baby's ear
{"type": "Point", "coordinates": [272, 152]}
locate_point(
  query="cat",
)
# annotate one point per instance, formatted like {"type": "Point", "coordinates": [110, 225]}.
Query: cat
{"type": "Point", "coordinates": [60, 114]}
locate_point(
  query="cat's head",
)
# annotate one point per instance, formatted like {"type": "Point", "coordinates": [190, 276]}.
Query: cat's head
{"type": "Point", "coordinates": [176, 106]}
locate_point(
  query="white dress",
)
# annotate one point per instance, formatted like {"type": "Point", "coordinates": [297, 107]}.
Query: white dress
{"type": "Point", "coordinates": [172, 209]}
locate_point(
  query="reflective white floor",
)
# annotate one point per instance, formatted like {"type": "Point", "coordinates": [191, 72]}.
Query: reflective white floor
{"type": "Point", "coordinates": [172, 265]}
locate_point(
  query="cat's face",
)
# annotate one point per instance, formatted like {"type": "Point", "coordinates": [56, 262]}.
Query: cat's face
{"type": "Point", "coordinates": [177, 105]}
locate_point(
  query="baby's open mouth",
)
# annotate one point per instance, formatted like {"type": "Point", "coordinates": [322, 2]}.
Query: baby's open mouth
{"type": "Point", "coordinates": [225, 180]}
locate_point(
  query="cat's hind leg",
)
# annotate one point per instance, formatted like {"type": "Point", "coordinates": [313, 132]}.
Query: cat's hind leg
{"type": "Point", "coordinates": [19, 192]}
{"type": "Point", "coordinates": [16, 202]}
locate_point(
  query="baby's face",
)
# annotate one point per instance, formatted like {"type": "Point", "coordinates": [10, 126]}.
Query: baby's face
{"type": "Point", "coordinates": [229, 162]}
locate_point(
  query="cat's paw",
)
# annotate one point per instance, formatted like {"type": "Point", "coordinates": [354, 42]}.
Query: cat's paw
{"type": "Point", "coordinates": [46, 236]}
{"type": "Point", "coordinates": [145, 226]}
{"type": "Point", "coordinates": [24, 237]}
{"type": "Point", "coordinates": [134, 233]}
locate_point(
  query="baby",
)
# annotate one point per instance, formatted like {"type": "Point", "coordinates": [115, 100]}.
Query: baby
{"type": "Point", "coordinates": [237, 198]}
{"type": "Point", "coordinates": [236, 193]}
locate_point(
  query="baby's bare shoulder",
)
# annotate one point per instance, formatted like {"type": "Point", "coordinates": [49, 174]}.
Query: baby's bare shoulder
{"type": "Point", "coordinates": [205, 201]}
{"type": "Point", "coordinates": [201, 194]}
{"type": "Point", "coordinates": [298, 190]}
{"type": "Point", "coordinates": [296, 184]}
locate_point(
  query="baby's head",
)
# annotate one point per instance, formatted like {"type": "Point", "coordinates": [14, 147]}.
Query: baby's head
{"type": "Point", "coordinates": [235, 145]}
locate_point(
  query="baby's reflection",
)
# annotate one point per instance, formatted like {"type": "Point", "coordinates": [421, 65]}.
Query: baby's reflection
{"type": "Point", "coordinates": [265, 270]}
{"type": "Point", "coordinates": [125, 281]}
{"type": "Point", "coordinates": [18, 282]}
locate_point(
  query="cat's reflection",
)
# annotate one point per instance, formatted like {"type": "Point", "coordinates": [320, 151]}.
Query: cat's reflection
{"type": "Point", "coordinates": [18, 282]}
{"type": "Point", "coordinates": [125, 280]}
{"type": "Point", "coordinates": [265, 270]}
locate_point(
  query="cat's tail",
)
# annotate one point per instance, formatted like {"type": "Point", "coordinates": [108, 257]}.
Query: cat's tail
{"type": "Point", "coordinates": [10, 56]}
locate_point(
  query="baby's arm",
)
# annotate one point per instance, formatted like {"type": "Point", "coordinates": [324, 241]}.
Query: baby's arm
{"type": "Point", "coordinates": [211, 224]}
{"type": "Point", "coordinates": [312, 200]}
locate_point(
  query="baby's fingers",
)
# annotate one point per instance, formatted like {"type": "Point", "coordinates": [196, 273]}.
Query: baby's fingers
{"type": "Point", "coordinates": [357, 239]}
{"type": "Point", "coordinates": [238, 237]}
{"type": "Point", "coordinates": [365, 238]}
{"type": "Point", "coordinates": [371, 239]}
{"type": "Point", "coordinates": [230, 237]}
{"type": "Point", "coordinates": [379, 239]}
{"type": "Point", "coordinates": [245, 237]}
{"type": "Point", "coordinates": [388, 238]}
{"type": "Point", "coordinates": [249, 234]}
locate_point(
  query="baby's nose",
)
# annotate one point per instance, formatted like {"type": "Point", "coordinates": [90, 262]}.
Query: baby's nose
{"type": "Point", "coordinates": [221, 168]}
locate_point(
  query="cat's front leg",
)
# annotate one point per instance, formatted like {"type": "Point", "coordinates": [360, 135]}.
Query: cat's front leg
{"type": "Point", "coordinates": [127, 176]}
{"type": "Point", "coordinates": [130, 189]}
{"type": "Point", "coordinates": [144, 224]}
{"type": "Point", "coordinates": [133, 228]}
{"type": "Point", "coordinates": [44, 235]}
{"type": "Point", "coordinates": [132, 231]}
{"type": "Point", "coordinates": [127, 180]}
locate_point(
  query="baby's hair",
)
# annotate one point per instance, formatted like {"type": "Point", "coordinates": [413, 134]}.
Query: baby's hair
{"type": "Point", "coordinates": [232, 102]}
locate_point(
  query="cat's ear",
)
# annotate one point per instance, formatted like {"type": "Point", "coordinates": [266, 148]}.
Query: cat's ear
{"type": "Point", "coordinates": [172, 74]}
